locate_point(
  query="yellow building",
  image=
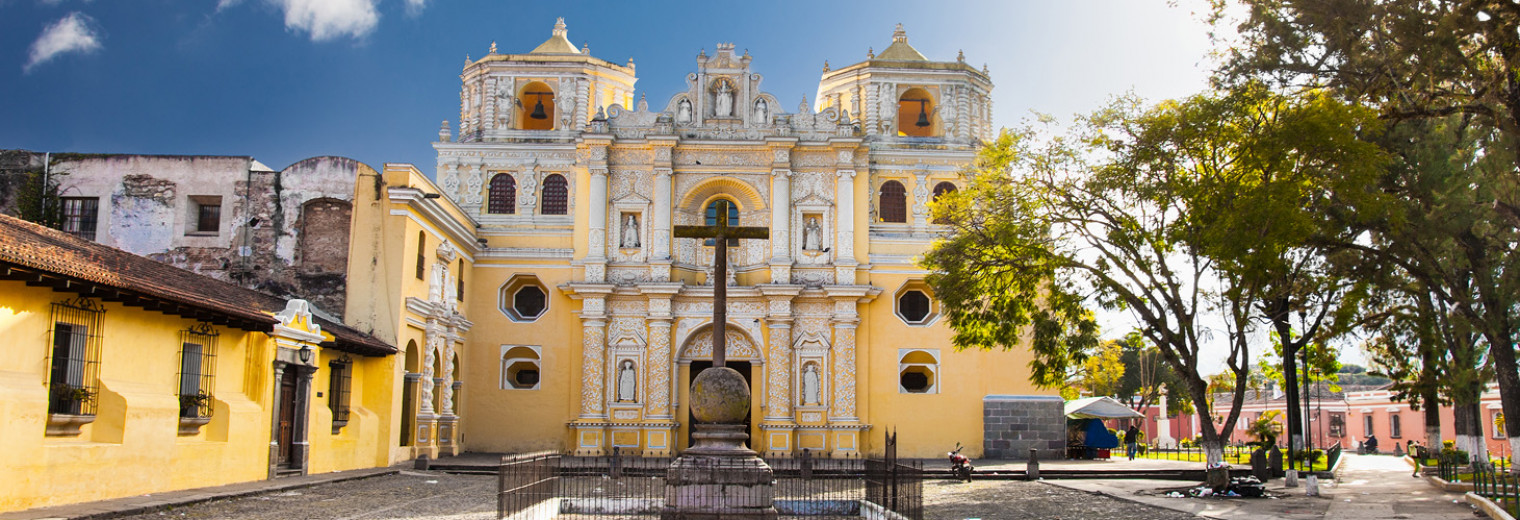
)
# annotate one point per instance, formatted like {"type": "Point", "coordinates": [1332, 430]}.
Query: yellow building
{"type": "Point", "coordinates": [533, 297]}
{"type": "Point", "coordinates": [590, 320]}
{"type": "Point", "coordinates": [124, 376]}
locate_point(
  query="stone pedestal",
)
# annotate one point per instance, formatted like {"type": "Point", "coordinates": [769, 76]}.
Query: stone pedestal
{"type": "Point", "coordinates": [719, 477]}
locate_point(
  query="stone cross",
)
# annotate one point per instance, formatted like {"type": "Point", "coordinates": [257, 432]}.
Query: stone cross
{"type": "Point", "coordinates": [721, 234]}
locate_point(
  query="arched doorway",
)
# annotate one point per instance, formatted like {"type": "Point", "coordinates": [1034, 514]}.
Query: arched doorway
{"type": "Point", "coordinates": [696, 356]}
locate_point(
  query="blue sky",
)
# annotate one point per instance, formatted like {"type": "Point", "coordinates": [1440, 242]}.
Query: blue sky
{"type": "Point", "coordinates": [282, 80]}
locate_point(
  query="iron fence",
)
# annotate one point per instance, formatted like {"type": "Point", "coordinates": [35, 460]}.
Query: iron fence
{"type": "Point", "coordinates": [1234, 454]}
{"type": "Point", "coordinates": [545, 485]}
{"type": "Point", "coordinates": [1497, 485]}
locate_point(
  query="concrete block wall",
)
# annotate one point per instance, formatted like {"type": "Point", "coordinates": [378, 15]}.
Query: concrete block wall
{"type": "Point", "coordinates": [1012, 424]}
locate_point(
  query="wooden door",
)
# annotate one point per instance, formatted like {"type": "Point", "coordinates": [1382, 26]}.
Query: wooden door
{"type": "Point", "coordinates": [287, 419]}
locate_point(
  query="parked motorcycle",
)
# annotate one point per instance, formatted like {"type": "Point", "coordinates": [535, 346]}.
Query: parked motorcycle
{"type": "Point", "coordinates": [960, 466]}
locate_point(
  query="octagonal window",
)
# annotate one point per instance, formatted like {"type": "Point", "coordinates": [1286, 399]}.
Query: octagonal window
{"type": "Point", "coordinates": [524, 299]}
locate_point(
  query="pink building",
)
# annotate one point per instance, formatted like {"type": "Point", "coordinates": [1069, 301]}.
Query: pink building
{"type": "Point", "coordinates": [1350, 417]}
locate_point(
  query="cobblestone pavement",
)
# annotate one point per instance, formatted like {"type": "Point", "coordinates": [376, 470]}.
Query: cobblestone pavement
{"type": "Point", "coordinates": [415, 495]}
{"type": "Point", "coordinates": [408, 495]}
{"type": "Point", "coordinates": [1015, 499]}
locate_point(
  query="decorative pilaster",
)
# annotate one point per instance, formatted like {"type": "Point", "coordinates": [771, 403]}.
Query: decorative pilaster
{"type": "Point", "coordinates": [593, 348]}
{"type": "Point", "coordinates": [778, 371]}
{"type": "Point", "coordinates": [658, 373]}
{"type": "Point", "coordinates": [843, 407]}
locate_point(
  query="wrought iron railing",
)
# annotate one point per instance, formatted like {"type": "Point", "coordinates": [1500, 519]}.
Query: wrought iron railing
{"type": "Point", "coordinates": [543, 485]}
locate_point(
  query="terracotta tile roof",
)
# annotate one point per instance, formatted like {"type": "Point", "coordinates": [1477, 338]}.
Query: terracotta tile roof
{"type": "Point", "coordinates": [47, 257]}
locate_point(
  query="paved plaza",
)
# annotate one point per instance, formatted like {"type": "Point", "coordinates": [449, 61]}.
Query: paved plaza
{"type": "Point", "coordinates": [1368, 487]}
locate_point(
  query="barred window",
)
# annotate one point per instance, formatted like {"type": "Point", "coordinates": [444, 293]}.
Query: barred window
{"type": "Point", "coordinates": [503, 195]}
{"type": "Point", "coordinates": [339, 375]}
{"type": "Point", "coordinates": [73, 378]}
{"type": "Point", "coordinates": [80, 215]}
{"type": "Point", "coordinates": [459, 281]}
{"type": "Point", "coordinates": [894, 202]}
{"type": "Point", "coordinates": [556, 195]}
{"type": "Point", "coordinates": [197, 371]}
{"type": "Point", "coordinates": [421, 255]}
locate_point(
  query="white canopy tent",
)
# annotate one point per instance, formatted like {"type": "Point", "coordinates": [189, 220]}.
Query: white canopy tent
{"type": "Point", "coordinates": [1099, 408]}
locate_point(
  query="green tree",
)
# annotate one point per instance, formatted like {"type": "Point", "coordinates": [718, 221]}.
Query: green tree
{"type": "Point", "coordinates": [1445, 75]}
{"type": "Point", "coordinates": [1040, 230]}
{"type": "Point", "coordinates": [1103, 371]}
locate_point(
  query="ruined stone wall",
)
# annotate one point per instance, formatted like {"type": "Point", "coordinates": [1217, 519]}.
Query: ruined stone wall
{"type": "Point", "coordinates": [284, 233]}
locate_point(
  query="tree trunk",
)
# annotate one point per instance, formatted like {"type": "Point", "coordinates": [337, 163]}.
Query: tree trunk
{"type": "Point", "coordinates": [1469, 428]}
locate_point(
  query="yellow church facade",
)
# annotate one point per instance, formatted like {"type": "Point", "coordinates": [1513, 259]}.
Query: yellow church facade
{"type": "Point", "coordinates": [590, 319]}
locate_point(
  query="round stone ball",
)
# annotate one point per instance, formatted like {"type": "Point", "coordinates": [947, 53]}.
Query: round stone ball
{"type": "Point", "coordinates": [720, 395]}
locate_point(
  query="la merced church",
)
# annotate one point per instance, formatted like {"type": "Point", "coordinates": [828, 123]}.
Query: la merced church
{"type": "Point", "coordinates": [530, 289]}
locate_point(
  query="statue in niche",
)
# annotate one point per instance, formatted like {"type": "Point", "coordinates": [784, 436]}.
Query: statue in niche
{"type": "Point", "coordinates": [724, 107]}
{"type": "Point", "coordinates": [626, 383]}
{"type": "Point", "coordinates": [762, 112]}
{"type": "Point", "coordinates": [630, 231]}
{"type": "Point", "coordinates": [812, 235]}
{"type": "Point", "coordinates": [810, 384]}
{"type": "Point", "coordinates": [683, 111]}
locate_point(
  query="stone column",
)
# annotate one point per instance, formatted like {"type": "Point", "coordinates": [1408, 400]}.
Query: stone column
{"type": "Point", "coordinates": [781, 220]}
{"type": "Point", "coordinates": [844, 240]}
{"type": "Point", "coordinates": [659, 226]}
{"type": "Point", "coordinates": [596, 243]}
{"type": "Point", "coordinates": [920, 202]}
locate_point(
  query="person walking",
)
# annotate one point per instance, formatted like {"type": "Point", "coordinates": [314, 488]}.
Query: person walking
{"type": "Point", "coordinates": [1131, 439]}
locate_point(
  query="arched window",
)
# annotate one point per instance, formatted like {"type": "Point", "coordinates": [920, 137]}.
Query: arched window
{"type": "Point", "coordinates": [535, 107]}
{"type": "Point", "coordinates": [916, 113]}
{"type": "Point", "coordinates": [503, 195]}
{"type": "Point", "coordinates": [894, 202]}
{"type": "Point", "coordinates": [711, 215]}
{"type": "Point", "coordinates": [942, 189]}
{"type": "Point", "coordinates": [556, 196]}
{"type": "Point", "coordinates": [421, 255]}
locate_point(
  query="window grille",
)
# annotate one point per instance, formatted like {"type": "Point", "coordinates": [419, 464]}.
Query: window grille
{"type": "Point", "coordinates": [503, 195]}
{"type": "Point", "coordinates": [421, 255]}
{"type": "Point", "coordinates": [197, 370]}
{"type": "Point", "coordinates": [1395, 429]}
{"type": "Point", "coordinates": [894, 202]}
{"type": "Point", "coordinates": [73, 357]}
{"type": "Point", "coordinates": [459, 282]}
{"type": "Point", "coordinates": [209, 218]}
{"type": "Point", "coordinates": [338, 383]}
{"type": "Point", "coordinates": [556, 195]}
{"type": "Point", "coordinates": [80, 215]}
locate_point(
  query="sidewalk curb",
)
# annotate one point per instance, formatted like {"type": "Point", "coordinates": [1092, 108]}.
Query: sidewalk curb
{"type": "Point", "coordinates": [1488, 507]}
{"type": "Point", "coordinates": [193, 496]}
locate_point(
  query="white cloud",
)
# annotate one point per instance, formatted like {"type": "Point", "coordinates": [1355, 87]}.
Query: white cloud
{"type": "Point", "coordinates": [71, 33]}
{"type": "Point", "coordinates": [328, 19]}
{"type": "Point", "coordinates": [223, 5]}
{"type": "Point", "coordinates": [415, 7]}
